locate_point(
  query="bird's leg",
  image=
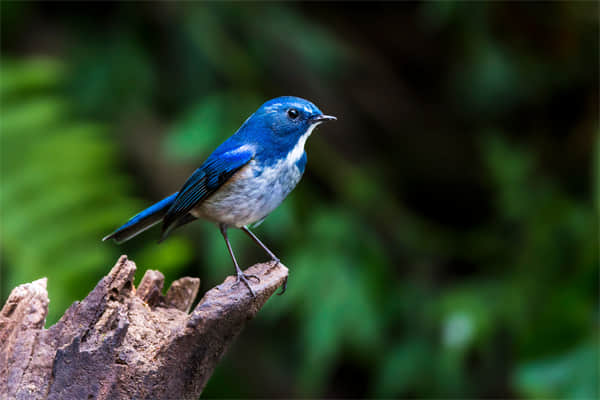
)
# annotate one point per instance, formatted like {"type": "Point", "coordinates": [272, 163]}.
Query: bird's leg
{"type": "Point", "coordinates": [269, 252]}
{"type": "Point", "coordinates": [240, 274]}
{"type": "Point", "coordinates": [261, 244]}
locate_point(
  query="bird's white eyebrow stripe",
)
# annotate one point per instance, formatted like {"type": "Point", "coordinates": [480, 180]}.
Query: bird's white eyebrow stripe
{"type": "Point", "coordinates": [274, 107]}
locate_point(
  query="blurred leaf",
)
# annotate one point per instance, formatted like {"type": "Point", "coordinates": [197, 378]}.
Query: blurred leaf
{"type": "Point", "coordinates": [169, 255]}
{"type": "Point", "coordinates": [404, 366]}
{"type": "Point", "coordinates": [208, 123]}
{"type": "Point", "coordinates": [341, 296]}
{"type": "Point", "coordinates": [467, 315]}
{"type": "Point", "coordinates": [111, 76]}
{"type": "Point", "coordinates": [319, 50]}
{"type": "Point", "coordinates": [572, 375]}
{"type": "Point", "coordinates": [208, 27]}
{"type": "Point", "coordinates": [36, 75]}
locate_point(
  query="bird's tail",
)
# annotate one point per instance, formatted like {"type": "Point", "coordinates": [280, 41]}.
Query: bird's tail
{"type": "Point", "coordinates": [143, 220]}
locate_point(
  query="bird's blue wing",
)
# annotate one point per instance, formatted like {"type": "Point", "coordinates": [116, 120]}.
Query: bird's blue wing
{"type": "Point", "coordinates": [217, 169]}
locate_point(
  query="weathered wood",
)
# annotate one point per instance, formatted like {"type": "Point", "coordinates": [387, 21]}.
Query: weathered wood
{"type": "Point", "coordinates": [123, 343]}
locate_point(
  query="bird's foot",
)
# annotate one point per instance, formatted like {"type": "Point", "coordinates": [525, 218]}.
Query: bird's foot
{"type": "Point", "coordinates": [241, 277]}
{"type": "Point", "coordinates": [276, 261]}
{"type": "Point", "coordinates": [283, 287]}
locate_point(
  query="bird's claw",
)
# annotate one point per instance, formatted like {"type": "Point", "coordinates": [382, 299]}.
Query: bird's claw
{"type": "Point", "coordinates": [283, 287]}
{"type": "Point", "coordinates": [245, 278]}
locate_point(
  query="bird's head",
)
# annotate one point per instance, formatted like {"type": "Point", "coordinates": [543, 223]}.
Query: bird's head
{"type": "Point", "coordinates": [288, 119]}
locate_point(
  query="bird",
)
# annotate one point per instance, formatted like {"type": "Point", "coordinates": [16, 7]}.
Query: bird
{"type": "Point", "coordinates": [242, 181]}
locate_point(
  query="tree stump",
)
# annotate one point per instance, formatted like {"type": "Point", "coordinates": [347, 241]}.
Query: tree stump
{"type": "Point", "coordinates": [123, 343]}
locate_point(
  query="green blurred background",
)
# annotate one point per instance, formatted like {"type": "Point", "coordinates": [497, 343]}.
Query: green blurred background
{"type": "Point", "coordinates": [443, 241]}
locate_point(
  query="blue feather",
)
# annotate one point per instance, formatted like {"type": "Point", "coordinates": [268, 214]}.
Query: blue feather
{"type": "Point", "coordinates": [142, 221]}
{"type": "Point", "coordinates": [216, 171]}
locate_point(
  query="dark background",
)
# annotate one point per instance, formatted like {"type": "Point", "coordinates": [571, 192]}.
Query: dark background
{"type": "Point", "coordinates": [443, 241]}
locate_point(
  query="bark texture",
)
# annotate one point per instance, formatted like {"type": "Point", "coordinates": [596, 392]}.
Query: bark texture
{"type": "Point", "coordinates": [123, 343]}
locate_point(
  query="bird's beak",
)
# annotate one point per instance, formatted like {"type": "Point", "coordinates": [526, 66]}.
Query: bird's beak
{"type": "Point", "coordinates": [323, 118]}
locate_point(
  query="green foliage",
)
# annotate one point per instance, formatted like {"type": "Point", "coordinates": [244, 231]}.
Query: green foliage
{"type": "Point", "coordinates": [555, 263]}
{"type": "Point", "coordinates": [343, 299]}
{"type": "Point", "coordinates": [550, 245]}
{"type": "Point", "coordinates": [202, 128]}
{"type": "Point", "coordinates": [109, 75]}
{"type": "Point", "coordinates": [61, 188]}
{"type": "Point", "coordinates": [572, 375]}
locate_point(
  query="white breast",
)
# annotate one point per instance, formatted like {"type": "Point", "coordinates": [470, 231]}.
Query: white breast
{"type": "Point", "coordinates": [251, 194]}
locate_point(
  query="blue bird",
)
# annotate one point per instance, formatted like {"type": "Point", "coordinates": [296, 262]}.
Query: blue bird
{"type": "Point", "coordinates": [243, 180]}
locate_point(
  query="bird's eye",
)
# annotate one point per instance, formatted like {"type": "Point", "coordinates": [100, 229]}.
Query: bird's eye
{"type": "Point", "coordinates": [293, 113]}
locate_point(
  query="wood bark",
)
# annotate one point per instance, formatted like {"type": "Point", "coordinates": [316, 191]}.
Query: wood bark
{"type": "Point", "coordinates": [125, 343]}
